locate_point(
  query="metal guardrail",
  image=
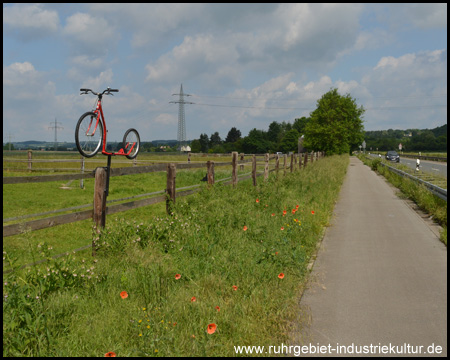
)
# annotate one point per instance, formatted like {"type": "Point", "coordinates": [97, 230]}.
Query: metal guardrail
{"type": "Point", "coordinates": [425, 157]}
{"type": "Point", "coordinates": [438, 191]}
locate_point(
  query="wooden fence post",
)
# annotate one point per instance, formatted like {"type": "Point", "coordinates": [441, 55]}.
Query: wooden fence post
{"type": "Point", "coordinates": [242, 159]}
{"type": "Point", "coordinates": [254, 169]}
{"type": "Point", "coordinates": [277, 163]}
{"type": "Point", "coordinates": [300, 161]}
{"type": "Point", "coordinates": [82, 171]}
{"type": "Point", "coordinates": [30, 160]}
{"type": "Point", "coordinates": [306, 159]}
{"type": "Point", "coordinates": [210, 174]}
{"type": "Point", "coordinates": [170, 189]}
{"type": "Point", "coordinates": [292, 162]}
{"type": "Point", "coordinates": [99, 215]}
{"type": "Point", "coordinates": [189, 157]}
{"type": "Point", "coordinates": [284, 163]}
{"type": "Point", "coordinates": [266, 167]}
{"type": "Point", "coordinates": [234, 155]}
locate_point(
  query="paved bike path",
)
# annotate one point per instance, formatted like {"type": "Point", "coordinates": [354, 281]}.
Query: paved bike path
{"type": "Point", "coordinates": [380, 277]}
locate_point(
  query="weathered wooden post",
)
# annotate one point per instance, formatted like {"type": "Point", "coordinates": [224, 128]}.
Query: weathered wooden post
{"type": "Point", "coordinates": [292, 162]}
{"type": "Point", "coordinates": [285, 163]}
{"type": "Point", "coordinates": [170, 189]}
{"type": "Point", "coordinates": [312, 157]}
{"type": "Point", "coordinates": [99, 215]}
{"type": "Point", "coordinates": [234, 155]}
{"type": "Point", "coordinates": [242, 159]}
{"type": "Point", "coordinates": [30, 160]}
{"type": "Point", "coordinates": [210, 173]}
{"type": "Point", "coordinates": [300, 161]}
{"type": "Point", "coordinates": [82, 171]}
{"type": "Point", "coordinates": [266, 167]}
{"type": "Point", "coordinates": [306, 159]}
{"type": "Point", "coordinates": [254, 169]}
{"type": "Point", "coordinates": [277, 163]}
{"type": "Point", "coordinates": [189, 157]}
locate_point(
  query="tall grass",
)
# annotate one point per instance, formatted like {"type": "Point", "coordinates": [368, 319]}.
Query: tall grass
{"type": "Point", "coordinates": [241, 256]}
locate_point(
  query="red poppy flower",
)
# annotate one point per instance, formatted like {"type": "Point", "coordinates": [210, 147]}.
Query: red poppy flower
{"type": "Point", "coordinates": [245, 228]}
{"type": "Point", "coordinates": [257, 200]}
{"type": "Point", "coordinates": [177, 276]}
{"type": "Point", "coordinates": [110, 354]}
{"type": "Point", "coordinates": [282, 228]}
{"type": "Point", "coordinates": [217, 308]}
{"type": "Point", "coordinates": [211, 328]}
{"type": "Point", "coordinates": [235, 287]}
{"type": "Point", "coordinates": [273, 214]}
{"type": "Point", "coordinates": [284, 212]}
{"type": "Point", "coordinates": [193, 299]}
{"type": "Point", "coordinates": [123, 294]}
{"type": "Point", "coordinates": [312, 212]}
{"type": "Point", "coordinates": [281, 275]}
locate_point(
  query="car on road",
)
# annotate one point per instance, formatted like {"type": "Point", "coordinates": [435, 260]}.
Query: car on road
{"type": "Point", "coordinates": [393, 156]}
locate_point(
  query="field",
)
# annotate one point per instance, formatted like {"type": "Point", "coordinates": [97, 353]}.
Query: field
{"type": "Point", "coordinates": [226, 269]}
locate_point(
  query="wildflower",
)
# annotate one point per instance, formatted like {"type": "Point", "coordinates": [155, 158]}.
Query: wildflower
{"type": "Point", "coordinates": [211, 328]}
{"type": "Point", "coordinates": [123, 294]}
{"type": "Point", "coordinates": [281, 275]}
{"type": "Point", "coordinates": [273, 214]}
{"type": "Point", "coordinates": [282, 228]}
{"type": "Point", "coordinates": [235, 287]}
{"type": "Point", "coordinates": [245, 228]}
{"type": "Point", "coordinates": [193, 299]}
{"type": "Point", "coordinates": [296, 206]}
{"type": "Point", "coordinates": [312, 212]}
{"type": "Point", "coordinates": [177, 276]}
{"type": "Point", "coordinates": [257, 200]}
{"type": "Point", "coordinates": [217, 308]}
{"type": "Point", "coordinates": [110, 354]}
{"type": "Point", "coordinates": [294, 210]}
{"type": "Point", "coordinates": [284, 212]}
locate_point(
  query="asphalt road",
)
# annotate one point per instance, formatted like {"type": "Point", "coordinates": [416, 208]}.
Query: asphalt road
{"type": "Point", "coordinates": [379, 282]}
{"type": "Point", "coordinates": [432, 167]}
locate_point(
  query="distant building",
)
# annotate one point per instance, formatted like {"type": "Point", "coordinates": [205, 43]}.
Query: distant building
{"type": "Point", "coordinates": [185, 148]}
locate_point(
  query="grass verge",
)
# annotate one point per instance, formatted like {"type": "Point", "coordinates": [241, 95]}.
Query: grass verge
{"type": "Point", "coordinates": [232, 257]}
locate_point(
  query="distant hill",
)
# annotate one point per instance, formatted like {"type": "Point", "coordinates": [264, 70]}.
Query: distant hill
{"type": "Point", "coordinates": [411, 139]}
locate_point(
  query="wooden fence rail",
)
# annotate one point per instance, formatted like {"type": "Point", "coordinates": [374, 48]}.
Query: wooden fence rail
{"type": "Point", "coordinates": [98, 214]}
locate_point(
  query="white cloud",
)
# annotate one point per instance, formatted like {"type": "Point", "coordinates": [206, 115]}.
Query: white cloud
{"type": "Point", "coordinates": [89, 34]}
{"type": "Point", "coordinates": [30, 21]}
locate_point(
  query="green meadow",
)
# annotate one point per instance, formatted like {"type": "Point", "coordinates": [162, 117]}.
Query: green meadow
{"type": "Point", "coordinates": [225, 269]}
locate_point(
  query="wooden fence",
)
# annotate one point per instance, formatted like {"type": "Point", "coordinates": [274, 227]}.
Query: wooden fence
{"type": "Point", "coordinates": [100, 210]}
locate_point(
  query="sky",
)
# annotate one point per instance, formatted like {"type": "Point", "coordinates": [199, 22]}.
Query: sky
{"type": "Point", "coordinates": [243, 65]}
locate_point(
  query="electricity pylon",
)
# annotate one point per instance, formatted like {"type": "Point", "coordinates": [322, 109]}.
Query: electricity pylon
{"type": "Point", "coordinates": [56, 127]}
{"type": "Point", "coordinates": [181, 136]}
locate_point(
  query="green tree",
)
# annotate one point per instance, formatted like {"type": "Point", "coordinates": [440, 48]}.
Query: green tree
{"type": "Point", "coordinates": [233, 135]}
{"type": "Point", "coordinates": [215, 140]}
{"type": "Point", "coordinates": [300, 124]}
{"type": "Point", "coordinates": [255, 142]}
{"type": "Point", "coordinates": [196, 146]}
{"type": "Point", "coordinates": [204, 143]}
{"type": "Point", "coordinates": [336, 126]}
{"type": "Point", "coordinates": [290, 141]}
